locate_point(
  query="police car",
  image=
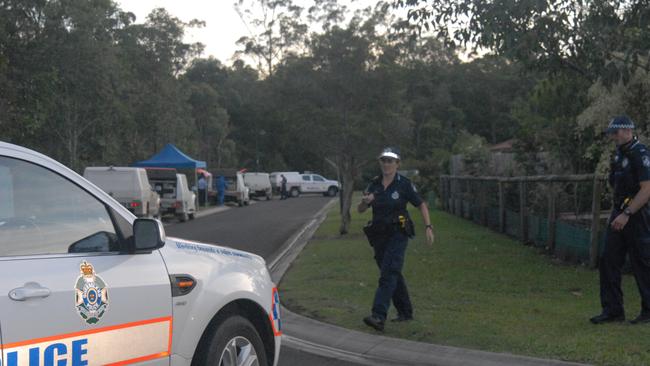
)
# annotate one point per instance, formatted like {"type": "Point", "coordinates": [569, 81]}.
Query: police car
{"type": "Point", "coordinates": [83, 282]}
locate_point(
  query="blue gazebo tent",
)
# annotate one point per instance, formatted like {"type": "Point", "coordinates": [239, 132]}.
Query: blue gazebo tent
{"type": "Point", "coordinates": [171, 157]}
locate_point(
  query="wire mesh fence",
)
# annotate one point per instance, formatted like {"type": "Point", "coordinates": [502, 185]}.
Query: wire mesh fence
{"type": "Point", "coordinates": [562, 214]}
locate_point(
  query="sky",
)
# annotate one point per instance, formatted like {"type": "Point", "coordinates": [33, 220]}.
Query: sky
{"type": "Point", "coordinates": [223, 25]}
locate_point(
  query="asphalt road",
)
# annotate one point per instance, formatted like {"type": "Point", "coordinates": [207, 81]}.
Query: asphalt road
{"type": "Point", "coordinates": [260, 228]}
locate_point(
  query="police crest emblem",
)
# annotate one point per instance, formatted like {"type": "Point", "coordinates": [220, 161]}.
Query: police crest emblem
{"type": "Point", "coordinates": [91, 295]}
{"type": "Point", "coordinates": [646, 161]}
{"type": "Point", "coordinates": [625, 163]}
{"type": "Point", "coordinates": [395, 195]}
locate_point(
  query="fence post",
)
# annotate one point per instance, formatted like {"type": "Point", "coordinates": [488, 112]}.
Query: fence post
{"type": "Point", "coordinates": [483, 202]}
{"type": "Point", "coordinates": [551, 218]}
{"type": "Point", "coordinates": [458, 203]}
{"type": "Point", "coordinates": [595, 223]}
{"type": "Point", "coordinates": [502, 208]}
{"type": "Point", "coordinates": [523, 215]}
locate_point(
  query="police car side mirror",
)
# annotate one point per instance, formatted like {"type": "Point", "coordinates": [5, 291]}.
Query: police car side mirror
{"type": "Point", "coordinates": [148, 235]}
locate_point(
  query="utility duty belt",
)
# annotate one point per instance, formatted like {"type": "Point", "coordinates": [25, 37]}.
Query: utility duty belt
{"type": "Point", "coordinates": [384, 229]}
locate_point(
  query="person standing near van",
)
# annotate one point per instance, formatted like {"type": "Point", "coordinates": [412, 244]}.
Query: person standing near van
{"type": "Point", "coordinates": [221, 189]}
{"type": "Point", "coordinates": [202, 185]}
{"type": "Point", "coordinates": [283, 187]}
{"type": "Point", "coordinates": [388, 234]}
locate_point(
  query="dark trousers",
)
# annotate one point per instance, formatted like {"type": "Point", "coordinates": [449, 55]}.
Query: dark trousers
{"type": "Point", "coordinates": [389, 255]}
{"type": "Point", "coordinates": [634, 241]}
{"type": "Point", "coordinates": [202, 196]}
{"type": "Point", "coordinates": [283, 192]}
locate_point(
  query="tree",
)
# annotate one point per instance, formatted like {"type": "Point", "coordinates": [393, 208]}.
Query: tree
{"type": "Point", "coordinates": [276, 31]}
{"type": "Point", "coordinates": [594, 39]}
{"type": "Point", "coordinates": [345, 100]}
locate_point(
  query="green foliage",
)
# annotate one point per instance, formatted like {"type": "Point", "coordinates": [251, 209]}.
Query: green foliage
{"type": "Point", "coordinates": [605, 40]}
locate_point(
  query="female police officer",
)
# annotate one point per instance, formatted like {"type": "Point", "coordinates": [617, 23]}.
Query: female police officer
{"type": "Point", "coordinates": [388, 233]}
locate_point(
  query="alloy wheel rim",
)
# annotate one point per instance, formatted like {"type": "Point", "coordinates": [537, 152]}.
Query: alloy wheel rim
{"type": "Point", "coordinates": [239, 351]}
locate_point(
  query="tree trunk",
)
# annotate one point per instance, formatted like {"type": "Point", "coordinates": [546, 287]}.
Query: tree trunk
{"type": "Point", "coordinates": [347, 175]}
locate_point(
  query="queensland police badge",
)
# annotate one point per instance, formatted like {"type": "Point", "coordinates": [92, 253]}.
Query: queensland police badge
{"type": "Point", "coordinates": [91, 298]}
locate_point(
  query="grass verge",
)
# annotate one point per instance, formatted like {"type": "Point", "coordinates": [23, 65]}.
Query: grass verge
{"type": "Point", "coordinates": [474, 288]}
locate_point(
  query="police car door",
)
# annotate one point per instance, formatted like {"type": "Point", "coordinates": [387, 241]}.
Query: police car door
{"type": "Point", "coordinates": [320, 184]}
{"type": "Point", "coordinates": [68, 295]}
{"type": "Point", "coordinates": [307, 185]}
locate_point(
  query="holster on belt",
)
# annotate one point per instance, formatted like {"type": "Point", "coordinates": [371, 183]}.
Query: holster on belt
{"type": "Point", "coordinates": [375, 230]}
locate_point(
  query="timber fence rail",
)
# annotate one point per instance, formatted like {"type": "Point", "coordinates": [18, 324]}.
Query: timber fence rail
{"type": "Point", "coordinates": [564, 214]}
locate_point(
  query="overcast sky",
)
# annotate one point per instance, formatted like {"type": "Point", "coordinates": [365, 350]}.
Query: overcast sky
{"type": "Point", "coordinates": [223, 25]}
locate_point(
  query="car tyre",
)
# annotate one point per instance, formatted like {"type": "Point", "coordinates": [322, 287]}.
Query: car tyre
{"type": "Point", "coordinates": [235, 342]}
{"type": "Point", "coordinates": [332, 191]}
{"type": "Point", "coordinates": [191, 216]}
{"type": "Point", "coordinates": [294, 192]}
{"type": "Point", "coordinates": [183, 217]}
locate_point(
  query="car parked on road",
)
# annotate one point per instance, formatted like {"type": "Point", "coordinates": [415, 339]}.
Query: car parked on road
{"type": "Point", "coordinates": [175, 196]}
{"type": "Point", "coordinates": [259, 184]}
{"type": "Point", "coordinates": [236, 190]}
{"type": "Point", "coordinates": [314, 183]}
{"type": "Point", "coordinates": [84, 282]}
{"type": "Point", "coordinates": [129, 186]}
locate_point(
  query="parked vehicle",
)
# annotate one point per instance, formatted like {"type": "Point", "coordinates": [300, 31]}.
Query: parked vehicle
{"type": "Point", "coordinates": [236, 190]}
{"type": "Point", "coordinates": [314, 183]}
{"type": "Point", "coordinates": [129, 186]}
{"type": "Point", "coordinates": [298, 184]}
{"type": "Point", "coordinates": [293, 182]}
{"type": "Point", "coordinates": [175, 196]}
{"type": "Point", "coordinates": [83, 282]}
{"type": "Point", "coordinates": [259, 184]}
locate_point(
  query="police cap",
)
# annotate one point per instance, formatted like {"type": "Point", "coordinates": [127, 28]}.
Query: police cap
{"type": "Point", "coordinates": [390, 152]}
{"type": "Point", "coordinates": [618, 123]}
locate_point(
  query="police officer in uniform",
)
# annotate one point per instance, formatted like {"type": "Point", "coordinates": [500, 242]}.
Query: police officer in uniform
{"type": "Point", "coordinates": [628, 231]}
{"type": "Point", "coordinates": [388, 233]}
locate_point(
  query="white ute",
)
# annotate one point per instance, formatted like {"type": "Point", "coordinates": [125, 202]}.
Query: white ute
{"type": "Point", "coordinates": [83, 282]}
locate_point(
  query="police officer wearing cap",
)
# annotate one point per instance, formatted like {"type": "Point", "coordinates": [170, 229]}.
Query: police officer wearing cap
{"type": "Point", "coordinates": [628, 232]}
{"type": "Point", "coordinates": [388, 233]}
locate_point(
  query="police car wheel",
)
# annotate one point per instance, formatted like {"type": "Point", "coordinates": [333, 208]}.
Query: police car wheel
{"type": "Point", "coordinates": [331, 192]}
{"type": "Point", "coordinates": [236, 343]}
{"type": "Point", "coordinates": [295, 192]}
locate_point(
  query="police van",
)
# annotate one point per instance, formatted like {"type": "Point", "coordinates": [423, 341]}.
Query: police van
{"type": "Point", "coordinates": [83, 282]}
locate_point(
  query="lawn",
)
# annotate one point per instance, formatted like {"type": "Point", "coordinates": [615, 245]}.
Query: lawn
{"type": "Point", "coordinates": [474, 288]}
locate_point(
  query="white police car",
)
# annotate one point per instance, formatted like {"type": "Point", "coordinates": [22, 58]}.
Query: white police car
{"type": "Point", "coordinates": [83, 282]}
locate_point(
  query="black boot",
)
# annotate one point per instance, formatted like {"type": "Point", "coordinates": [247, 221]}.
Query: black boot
{"type": "Point", "coordinates": [607, 318]}
{"type": "Point", "coordinates": [642, 318]}
{"type": "Point", "coordinates": [374, 322]}
{"type": "Point", "coordinates": [402, 318]}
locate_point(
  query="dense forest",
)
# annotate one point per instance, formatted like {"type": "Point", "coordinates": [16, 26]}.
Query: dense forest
{"type": "Point", "coordinates": [324, 88]}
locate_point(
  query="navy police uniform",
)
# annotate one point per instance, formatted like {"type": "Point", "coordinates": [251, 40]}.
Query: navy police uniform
{"type": "Point", "coordinates": [390, 246]}
{"type": "Point", "coordinates": [630, 165]}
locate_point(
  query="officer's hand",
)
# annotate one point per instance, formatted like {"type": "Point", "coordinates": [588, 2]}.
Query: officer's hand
{"type": "Point", "coordinates": [430, 236]}
{"type": "Point", "coordinates": [368, 198]}
{"type": "Point", "coordinates": [619, 222]}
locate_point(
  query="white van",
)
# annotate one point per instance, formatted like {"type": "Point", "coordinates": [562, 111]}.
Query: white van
{"type": "Point", "coordinates": [129, 186]}
{"type": "Point", "coordinates": [259, 184]}
{"type": "Point", "coordinates": [175, 196]}
{"type": "Point", "coordinates": [293, 182]}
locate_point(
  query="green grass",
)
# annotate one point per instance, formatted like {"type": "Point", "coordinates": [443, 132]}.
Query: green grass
{"type": "Point", "coordinates": [475, 288]}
